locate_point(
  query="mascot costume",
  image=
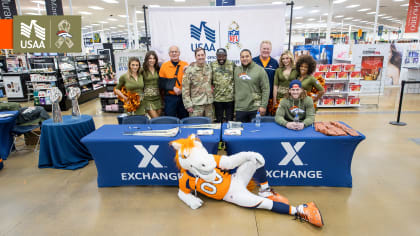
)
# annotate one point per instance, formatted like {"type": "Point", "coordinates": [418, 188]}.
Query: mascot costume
{"type": "Point", "coordinates": [227, 178]}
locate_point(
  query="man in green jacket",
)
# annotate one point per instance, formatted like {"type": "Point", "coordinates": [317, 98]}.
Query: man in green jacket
{"type": "Point", "coordinates": [252, 88]}
{"type": "Point", "coordinates": [296, 111]}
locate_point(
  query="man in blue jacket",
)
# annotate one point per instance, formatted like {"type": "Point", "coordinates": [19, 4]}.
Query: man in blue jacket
{"type": "Point", "coordinates": [270, 65]}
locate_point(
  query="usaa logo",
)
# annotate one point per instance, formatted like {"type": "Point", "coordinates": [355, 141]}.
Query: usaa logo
{"type": "Point", "coordinates": [209, 33]}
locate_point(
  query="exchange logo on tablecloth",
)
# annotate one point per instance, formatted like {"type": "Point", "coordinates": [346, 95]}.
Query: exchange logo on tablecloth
{"type": "Point", "coordinates": [47, 34]}
{"type": "Point", "coordinates": [148, 156]}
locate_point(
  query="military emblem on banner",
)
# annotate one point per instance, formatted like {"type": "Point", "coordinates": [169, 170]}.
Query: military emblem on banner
{"type": "Point", "coordinates": [233, 35]}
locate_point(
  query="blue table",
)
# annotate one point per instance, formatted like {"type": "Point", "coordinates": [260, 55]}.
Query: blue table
{"type": "Point", "coordinates": [303, 157]}
{"type": "Point", "coordinates": [60, 145]}
{"type": "Point", "coordinates": [138, 160]}
{"type": "Point", "coordinates": [6, 138]}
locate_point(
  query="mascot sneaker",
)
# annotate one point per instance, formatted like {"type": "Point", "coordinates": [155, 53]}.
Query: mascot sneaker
{"type": "Point", "coordinates": [310, 213]}
{"type": "Point", "coordinates": [270, 194]}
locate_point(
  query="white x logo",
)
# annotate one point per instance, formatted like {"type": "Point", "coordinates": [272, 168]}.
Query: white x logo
{"type": "Point", "coordinates": [148, 156]}
{"type": "Point", "coordinates": [291, 153]}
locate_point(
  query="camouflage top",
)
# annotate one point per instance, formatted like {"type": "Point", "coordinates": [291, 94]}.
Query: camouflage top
{"type": "Point", "coordinates": [223, 81]}
{"type": "Point", "coordinates": [196, 86]}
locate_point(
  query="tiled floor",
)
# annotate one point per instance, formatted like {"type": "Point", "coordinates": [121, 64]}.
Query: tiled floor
{"type": "Point", "coordinates": [384, 199]}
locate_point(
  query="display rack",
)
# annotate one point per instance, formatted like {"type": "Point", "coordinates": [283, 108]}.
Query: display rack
{"type": "Point", "coordinates": [83, 74]}
{"type": "Point", "coordinates": [68, 75]}
{"type": "Point", "coordinates": [342, 85]}
{"type": "Point", "coordinates": [94, 70]}
{"type": "Point", "coordinates": [44, 77]}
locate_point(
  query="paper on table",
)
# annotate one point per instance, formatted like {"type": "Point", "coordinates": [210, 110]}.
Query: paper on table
{"type": "Point", "coordinates": [5, 115]}
{"type": "Point", "coordinates": [205, 132]}
{"type": "Point", "coordinates": [160, 133]}
{"type": "Point", "coordinates": [204, 126]}
{"type": "Point", "coordinates": [233, 132]}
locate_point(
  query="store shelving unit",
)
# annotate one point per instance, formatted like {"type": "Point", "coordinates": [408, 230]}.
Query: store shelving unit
{"type": "Point", "coordinates": [44, 76]}
{"type": "Point", "coordinates": [83, 74]}
{"type": "Point", "coordinates": [342, 88]}
{"type": "Point", "coordinates": [94, 70]}
{"type": "Point", "coordinates": [68, 78]}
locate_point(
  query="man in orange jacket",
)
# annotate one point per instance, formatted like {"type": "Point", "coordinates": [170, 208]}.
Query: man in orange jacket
{"type": "Point", "coordinates": [170, 80]}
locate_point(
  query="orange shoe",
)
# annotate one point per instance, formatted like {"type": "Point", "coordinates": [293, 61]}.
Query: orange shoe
{"type": "Point", "coordinates": [270, 194]}
{"type": "Point", "coordinates": [310, 213]}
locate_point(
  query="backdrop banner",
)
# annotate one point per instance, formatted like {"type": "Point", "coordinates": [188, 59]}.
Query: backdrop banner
{"type": "Point", "coordinates": [234, 28]}
{"type": "Point", "coordinates": [121, 60]}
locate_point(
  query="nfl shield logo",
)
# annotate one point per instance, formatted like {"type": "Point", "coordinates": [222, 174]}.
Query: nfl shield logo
{"type": "Point", "coordinates": [233, 36]}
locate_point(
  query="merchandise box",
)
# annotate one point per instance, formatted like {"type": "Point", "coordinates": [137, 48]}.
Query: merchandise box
{"type": "Point", "coordinates": [340, 101]}
{"type": "Point", "coordinates": [330, 75]}
{"type": "Point", "coordinates": [342, 75]}
{"type": "Point", "coordinates": [338, 87]}
{"type": "Point", "coordinates": [335, 68]}
{"type": "Point", "coordinates": [328, 101]}
{"type": "Point", "coordinates": [354, 87]}
{"type": "Point", "coordinates": [323, 68]}
{"type": "Point", "coordinates": [355, 75]}
{"type": "Point", "coordinates": [353, 100]}
{"type": "Point", "coordinates": [319, 74]}
{"type": "Point", "coordinates": [349, 67]}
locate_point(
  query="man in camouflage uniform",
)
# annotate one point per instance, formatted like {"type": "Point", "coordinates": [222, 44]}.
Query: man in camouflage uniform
{"type": "Point", "coordinates": [223, 83]}
{"type": "Point", "coordinates": [197, 93]}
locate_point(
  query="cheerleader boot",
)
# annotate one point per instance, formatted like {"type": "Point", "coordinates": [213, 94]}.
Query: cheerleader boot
{"type": "Point", "coordinates": [310, 213]}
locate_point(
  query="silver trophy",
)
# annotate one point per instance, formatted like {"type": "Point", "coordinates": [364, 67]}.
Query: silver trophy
{"type": "Point", "coordinates": [74, 94]}
{"type": "Point", "coordinates": [56, 97]}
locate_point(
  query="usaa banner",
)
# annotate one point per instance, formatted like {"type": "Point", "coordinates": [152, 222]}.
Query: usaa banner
{"type": "Point", "coordinates": [233, 28]}
{"type": "Point", "coordinates": [47, 34]}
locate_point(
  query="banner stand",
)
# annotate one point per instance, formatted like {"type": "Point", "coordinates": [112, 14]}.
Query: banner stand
{"type": "Point", "coordinates": [145, 26]}
{"type": "Point", "coordinates": [291, 4]}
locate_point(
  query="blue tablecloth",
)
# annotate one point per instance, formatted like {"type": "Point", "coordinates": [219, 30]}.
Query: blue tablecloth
{"type": "Point", "coordinates": [138, 160]}
{"type": "Point", "coordinates": [6, 138]}
{"type": "Point", "coordinates": [60, 143]}
{"type": "Point", "coordinates": [303, 157]}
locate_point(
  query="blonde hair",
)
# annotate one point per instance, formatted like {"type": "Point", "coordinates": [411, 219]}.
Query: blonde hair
{"type": "Point", "coordinates": [267, 42]}
{"type": "Point", "coordinates": [287, 53]}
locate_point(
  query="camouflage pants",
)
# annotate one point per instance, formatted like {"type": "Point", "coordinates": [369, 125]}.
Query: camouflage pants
{"type": "Point", "coordinates": [203, 110]}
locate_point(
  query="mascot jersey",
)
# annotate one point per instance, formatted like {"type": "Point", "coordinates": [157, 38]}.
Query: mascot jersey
{"type": "Point", "coordinates": [216, 190]}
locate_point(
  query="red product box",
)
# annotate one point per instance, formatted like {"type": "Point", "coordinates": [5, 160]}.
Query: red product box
{"type": "Point", "coordinates": [349, 67]}
{"type": "Point", "coordinates": [340, 101]}
{"type": "Point", "coordinates": [353, 100]}
{"type": "Point", "coordinates": [330, 75]}
{"type": "Point", "coordinates": [323, 68]}
{"type": "Point", "coordinates": [355, 75]}
{"type": "Point", "coordinates": [318, 74]}
{"type": "Point", "coordinates": [342, 75]}
{"type": "Point", "coordinates": [355, 87]}
{"type": "Point", "coordinates": [338, 87]}
{"type": "Point", "coordinates": [328, 101]}
{"type": "Point", "coordinates": [335, 68]}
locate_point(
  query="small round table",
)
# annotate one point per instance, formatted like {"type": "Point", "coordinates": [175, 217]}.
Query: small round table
{"type": "Point", "coordinates": [60, 143]}
{"type": "Point", "coordinates": [6, 126]}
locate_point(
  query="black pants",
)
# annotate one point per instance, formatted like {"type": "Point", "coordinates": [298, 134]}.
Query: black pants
{"type": "Point", "coordinates": [221, 108]}
{"type": "Point", "coordinates": [245, 116]}
{"type": "Point", "coordinates": [175, 107]}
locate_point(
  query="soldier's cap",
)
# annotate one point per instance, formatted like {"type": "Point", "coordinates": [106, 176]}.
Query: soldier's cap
{"type": "Point", "coordinates": [221, 51]}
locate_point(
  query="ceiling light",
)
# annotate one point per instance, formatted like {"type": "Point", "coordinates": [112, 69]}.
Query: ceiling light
{"type": "Point", "coordinates": [371, 13]}
{"type": "Point", "coordinates": [95, 24]}
{"type": "Point", "coordinates": [382, 15]}
{"type": "Point", "coordinates": [154, 5]}
{"type": "Point", "coordinates": [298, 17]}
{"type": "Point", "coordinates": [311, 19]}
{"type": "Point", "coordinates": [39, 2]}
{"type": "Point", "coordinates": [364, 21]}
{"type": "Point", "coordinates": [298, 7]}
{"type": "Point", "coordinates": [31, 13]}
{"type": "Point", "coordinates": [277, 2]}
{"type": "Point", "coordinates": [340, 16]}
{"type": "Point", "coordinates": [348, 18]}
{"type": "Point", "coordinates": [353, 6]}
{"type": "Point", "coordinates": [179, 0]}
{"type": "Point", "coordinates": [140, 21]}
{"type": "Point", "coordinates": [95, 7]}
{"type": "Point", "coordinates": [404, 5]}
{"type": "Point", "coordinates": [339, 1]}
{"type": "Point", "coordinates": [364, 9]}
{"type": "Point", "coordinates": [110, 1]}
{"type": "Point", "coordinates": [398, 0]}
{"type": "Point", "coordinates": [314, 11]}
{"type": "Point", "coordinates": [112, 19]}
{"type": "Point", "coordinates": [386, 17]}
{"type": "Point", "coordinates": [122, 16]}
{"type": "Point", "coordinates": [103, 22]}
{"type": "Point", "coordinates": [325, 14]}
{"type": "Point", "coordinates": [85, 13]}
{"type": "Point", "coordinates": [139, 12]}
{"type": "Point", "coordinates": [112, 27]}
{"type": "Point", "coordinates": [356, 20]}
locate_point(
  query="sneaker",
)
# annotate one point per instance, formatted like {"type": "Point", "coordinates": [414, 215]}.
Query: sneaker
{"type": "Point", "coordinates": [310, 213]}
{"type": "Point", "coordinates": [270, 194]}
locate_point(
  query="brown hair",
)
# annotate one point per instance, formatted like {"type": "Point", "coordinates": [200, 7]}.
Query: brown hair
{"type": "Point", "coordinates": [289, 54]}
{"type": "Point", "coordinates": [306, 59]}
{"type": "Point", "coordinates": [199, 49]}
{"type": "Point", "coordinates": [132, 59]}
{"type": "Point", "coordinates": [301, 96]}
{"type": "Point", "coordinates": [146, 61]}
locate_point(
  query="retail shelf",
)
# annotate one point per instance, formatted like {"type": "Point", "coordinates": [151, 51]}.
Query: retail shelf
{"type": "Point", "coordinates": [339, 106]}
{"type": "Point", "coordinates": [41, 81]}
{"type": "Point", "coordinates": [42, 72]}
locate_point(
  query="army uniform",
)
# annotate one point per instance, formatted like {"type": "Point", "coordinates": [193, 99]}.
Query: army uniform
{"type": "Point", "coordinates": [223, 83]}
{"type": "Point", "coordinates": [197, 90]}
